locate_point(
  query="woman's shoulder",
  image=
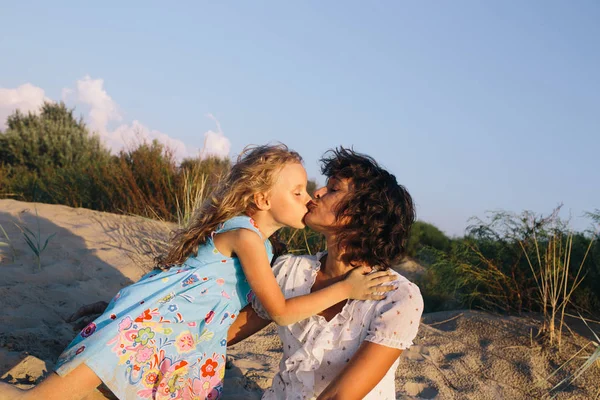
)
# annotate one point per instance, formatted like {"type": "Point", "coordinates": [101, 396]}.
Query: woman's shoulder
{"type": "Point", "coordinates": [394, 321]}
{"type": "Point", "coordinates": [401, 279]}
{"type": "Point", "coordinates": [406, 293]}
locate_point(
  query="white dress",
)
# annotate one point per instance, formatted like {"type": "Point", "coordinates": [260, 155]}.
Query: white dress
{"type": "Point", "coordinates": [315, 350]}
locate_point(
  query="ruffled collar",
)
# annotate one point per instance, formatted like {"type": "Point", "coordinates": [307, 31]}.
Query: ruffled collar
{"type": "Point", "coordinates": [316, 266]}
{"type": "Point", "coordinates": [316, 336]}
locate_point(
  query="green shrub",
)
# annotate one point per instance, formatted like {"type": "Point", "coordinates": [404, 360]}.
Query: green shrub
{"type": "Point", "coordinates": [489, 267]}
{"type": "Point", "coordinates": [54, 139]}
{"type": "Point", "coordinates": [212, 168]}
{"type": "Point", "coordinates": [424, 234]}
{"type": "Point", "coordinates": [38, 151]}
{"type": "Point", "coordinates": [144, 181]}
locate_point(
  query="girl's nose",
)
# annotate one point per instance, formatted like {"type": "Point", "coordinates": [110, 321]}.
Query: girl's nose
{"type": "Point", "coordinates": [308, 198]}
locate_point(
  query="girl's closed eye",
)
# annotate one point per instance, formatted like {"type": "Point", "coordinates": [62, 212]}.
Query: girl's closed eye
{"type": "Point", "coordinates": [299, 191]}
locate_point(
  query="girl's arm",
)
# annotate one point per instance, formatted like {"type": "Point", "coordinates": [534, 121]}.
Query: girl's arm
{"type": "Point", "coordinates": [363, 372]}
{"type": "Point", "coordinates": [249, 248]}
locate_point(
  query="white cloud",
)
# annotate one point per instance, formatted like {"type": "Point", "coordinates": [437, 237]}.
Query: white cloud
{"type": "Point", "coordinates": [131, 135]}
{"type": "Point", "coordinates": [102, 110]}
{"type": "Point", "coordinates": [215, 143]}
{"type": "Point", "coordinates": [66, 94]}
{"type": "Point", "coordinates": [26, 97]}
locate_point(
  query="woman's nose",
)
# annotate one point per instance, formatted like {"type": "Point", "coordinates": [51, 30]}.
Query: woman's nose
{"type": "Point", "coordinates": [320, 192]}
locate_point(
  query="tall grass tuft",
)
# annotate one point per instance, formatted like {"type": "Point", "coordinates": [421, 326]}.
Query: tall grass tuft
{"type": "Point", "coordinates": [554, 279]}
{"type": "Point", "coordinates": [193, 192]}
{"type": "Point", "coordinates": [8, 243]}
{"type": "Point", "coordinates": [301, 241]}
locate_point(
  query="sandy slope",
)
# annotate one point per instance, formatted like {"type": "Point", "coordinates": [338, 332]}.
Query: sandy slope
{"type": "Point", "coordinates": [458, 354]}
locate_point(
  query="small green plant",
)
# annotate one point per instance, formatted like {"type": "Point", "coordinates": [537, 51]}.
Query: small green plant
{"type": "Point", "coordinates": [8, 244]}
{"type": "Point", "coordinates": [34, 241]}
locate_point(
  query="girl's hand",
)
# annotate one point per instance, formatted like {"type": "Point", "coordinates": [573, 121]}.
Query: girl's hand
{"type": "Point", "coordinates": [369, 287]}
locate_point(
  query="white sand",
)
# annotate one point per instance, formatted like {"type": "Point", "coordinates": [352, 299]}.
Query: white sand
{"type": "Point", "coordinates": [474, 355]}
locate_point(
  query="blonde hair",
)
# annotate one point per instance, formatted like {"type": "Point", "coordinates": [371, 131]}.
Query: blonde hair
{"type": "Point", "coordinates": [254, 172]}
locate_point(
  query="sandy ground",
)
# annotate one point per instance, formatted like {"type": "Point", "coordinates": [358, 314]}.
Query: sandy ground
{"type": "Point", "coordinates": [457, 354]}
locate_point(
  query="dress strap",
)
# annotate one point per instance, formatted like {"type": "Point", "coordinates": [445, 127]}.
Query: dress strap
{"type": "Point", "coordinates": [244, 222]}
{"type": "Point", "coordinates": [239, 222]}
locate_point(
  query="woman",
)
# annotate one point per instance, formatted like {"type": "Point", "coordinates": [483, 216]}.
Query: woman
{"type": "Point", "coordinates": [350, 350]}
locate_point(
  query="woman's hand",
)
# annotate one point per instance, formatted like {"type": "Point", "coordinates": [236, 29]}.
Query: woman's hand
{"type": "Point", "coordinates": [87, 313]}
{"type": "Point", "coordinates": [245, 325]}
{"type": "Point", "coordinates": [371, 286]}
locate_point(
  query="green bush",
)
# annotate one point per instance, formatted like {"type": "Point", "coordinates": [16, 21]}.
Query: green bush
{"type": "Point", "coordinates": [145, 181]}
{"type": "Point", "coordinates": [424, 234]}
{"type": "Point", "coordinates": [489, 267]}
{"type": "Point", "coordinates": [38, 151]}
{"type": "Point", "coordinates": [51, 157]}
{"type": "Point", "coordinates": [54, 139]}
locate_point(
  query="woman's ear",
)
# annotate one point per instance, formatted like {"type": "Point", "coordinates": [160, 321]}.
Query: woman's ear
{"type": "Point", "coordinates": [262, 201]}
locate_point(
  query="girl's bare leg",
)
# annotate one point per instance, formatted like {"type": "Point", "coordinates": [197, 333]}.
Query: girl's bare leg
{"type": "Point", "coordinates": [76, 385]}
{"type": "Point", "coordinates": [8, 392]}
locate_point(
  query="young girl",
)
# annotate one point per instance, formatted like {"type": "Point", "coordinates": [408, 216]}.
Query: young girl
{"type": "Point", "coordinates": [164, 337]}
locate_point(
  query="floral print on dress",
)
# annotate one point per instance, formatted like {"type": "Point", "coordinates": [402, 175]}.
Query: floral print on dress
{"type": "Point", "coordinates": [88, 330]}
{"type": "Point", "coordinates": [209, 317]}
{"type": "Point", "coordinates": [254, 224]}
{"type": "Point", "coordinates": [190, 281]}
{"type": "Point", "coordinates": [165, 336]}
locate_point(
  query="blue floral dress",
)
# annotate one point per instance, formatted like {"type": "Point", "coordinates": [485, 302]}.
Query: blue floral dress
{"type": "Point", "coordinates": [165, 336]}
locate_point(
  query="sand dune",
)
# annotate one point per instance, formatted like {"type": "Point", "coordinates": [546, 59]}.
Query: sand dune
{"type": "Point", "coordinates": [457, 354]}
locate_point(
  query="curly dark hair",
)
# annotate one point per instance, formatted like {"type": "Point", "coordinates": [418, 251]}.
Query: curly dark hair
{"type": "Point", "coordinates": [379, 211]}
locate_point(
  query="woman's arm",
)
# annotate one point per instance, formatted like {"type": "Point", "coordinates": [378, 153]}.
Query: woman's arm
{"type": "Point", "coordinates": [248, 247]}
{"type": "Point", "coordinates": [363, 372]}
{"type": "Point", "coordinates": [246, 324]}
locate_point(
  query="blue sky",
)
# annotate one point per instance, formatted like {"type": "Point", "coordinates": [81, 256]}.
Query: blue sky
{"type": "Point", "coordinates": [473, 105]}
